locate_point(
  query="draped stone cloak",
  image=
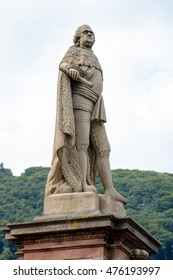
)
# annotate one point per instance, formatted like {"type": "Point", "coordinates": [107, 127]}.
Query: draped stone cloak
{"type": "Point", "coordinates": [65, 170]}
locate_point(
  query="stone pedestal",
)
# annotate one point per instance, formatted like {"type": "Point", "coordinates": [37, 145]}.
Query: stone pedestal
{"type": "Point", "coordinates": [81, 204]}
{"type": "Point", "coordinates": [81, 226]}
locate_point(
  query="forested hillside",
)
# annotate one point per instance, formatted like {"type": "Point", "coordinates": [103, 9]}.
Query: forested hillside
{"type": "Point", "coordinates": [149, 194]}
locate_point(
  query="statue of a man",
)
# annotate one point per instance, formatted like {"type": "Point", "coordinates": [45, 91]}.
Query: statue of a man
{"type": "Point", "coordinates": [81, 147]}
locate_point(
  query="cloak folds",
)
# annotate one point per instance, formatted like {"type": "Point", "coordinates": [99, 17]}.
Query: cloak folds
{"type": "Point", "coordinates": [65, 174]}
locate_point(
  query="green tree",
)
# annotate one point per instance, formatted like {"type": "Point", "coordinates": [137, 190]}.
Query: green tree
{"type": "Point", "coordinates": [149, 194]}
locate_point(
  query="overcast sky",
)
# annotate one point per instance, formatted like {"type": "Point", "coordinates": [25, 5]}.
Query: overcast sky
{"type": "Point", "coordinates": [134, 44]}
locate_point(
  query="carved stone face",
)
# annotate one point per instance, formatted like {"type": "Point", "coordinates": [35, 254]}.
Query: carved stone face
{"type": "Point", "coordinates": [87, 38]}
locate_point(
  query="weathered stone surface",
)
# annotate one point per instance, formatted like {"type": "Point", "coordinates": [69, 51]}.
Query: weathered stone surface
{"type": "Point", "coordinates": [82, 203]}
{"type": "Point", "coordinates": [84, 237]}
{"type": "Point", "coordinates": [110, 205]}
{"type": "Point", "coordinates": [73, 203]}
{"type": "Point", "coordinates": [81, 146]}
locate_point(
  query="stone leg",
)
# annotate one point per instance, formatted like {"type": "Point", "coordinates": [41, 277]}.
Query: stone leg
{"type": "Point", "coordinates": [103, 167]}
{"type": "Point", "coordinates": [102, 148]}
{"type": "Point", "coordinates": [82, 126]}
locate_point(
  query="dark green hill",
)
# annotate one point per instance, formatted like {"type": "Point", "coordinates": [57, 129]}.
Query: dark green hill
{"type": "Point", "coordinates": [149, 194]}
{"type": "Point", "coordinates": [21, 199]}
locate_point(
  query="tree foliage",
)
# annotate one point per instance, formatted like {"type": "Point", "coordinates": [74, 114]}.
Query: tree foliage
{"type": "Point", "coordinates": [149, 194]}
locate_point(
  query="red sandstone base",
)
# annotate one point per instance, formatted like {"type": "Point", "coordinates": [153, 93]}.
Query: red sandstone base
{"type": "Point", "coordinates": [92, 237]}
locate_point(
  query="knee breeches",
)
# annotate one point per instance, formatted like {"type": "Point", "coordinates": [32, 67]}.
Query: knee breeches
{"type": "Point", "coordinates": [87, 131]}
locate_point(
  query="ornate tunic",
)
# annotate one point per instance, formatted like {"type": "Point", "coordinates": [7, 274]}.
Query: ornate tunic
{"type": "Point", "coordinates": [89, 68]}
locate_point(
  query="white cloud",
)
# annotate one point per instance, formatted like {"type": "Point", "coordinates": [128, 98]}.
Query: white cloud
{"type": "Point", "coordinates": [134, 45]}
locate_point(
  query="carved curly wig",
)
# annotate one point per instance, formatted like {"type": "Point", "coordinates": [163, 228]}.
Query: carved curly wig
{"type": "Point", "coordinates": [77, 34]}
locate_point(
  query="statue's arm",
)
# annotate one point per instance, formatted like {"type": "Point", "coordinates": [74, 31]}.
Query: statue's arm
{"type": "Point", "coordinates": [69, 70]}
{"type": "Point", "coordinates": [74, 74]}
{"type": "Point", "coordinates": [68, 64]}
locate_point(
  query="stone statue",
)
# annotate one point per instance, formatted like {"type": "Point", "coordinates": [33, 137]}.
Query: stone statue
{"type": "Point", "coordinates": [81, 147]}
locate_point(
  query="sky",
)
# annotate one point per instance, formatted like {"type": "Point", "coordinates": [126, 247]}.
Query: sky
{"type": "Point", "coordinates": [134, 44]}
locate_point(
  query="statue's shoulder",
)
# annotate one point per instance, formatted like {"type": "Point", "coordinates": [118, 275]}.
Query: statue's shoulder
{"type": "Point", "coordinates": [72, 55]}
{"type": "Point", "coordinates": [73, 50]}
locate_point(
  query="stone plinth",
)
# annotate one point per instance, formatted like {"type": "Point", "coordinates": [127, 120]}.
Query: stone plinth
{"type": "Point", "coordinates": [82, 203]}
{"type": "Point", "coordinates": [63, 204]}
{"type": "Point", "coordinates": [92, 236]}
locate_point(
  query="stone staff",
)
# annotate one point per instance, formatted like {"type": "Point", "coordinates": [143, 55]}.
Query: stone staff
{"type": "Point", "coordinates": [80, 79]}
